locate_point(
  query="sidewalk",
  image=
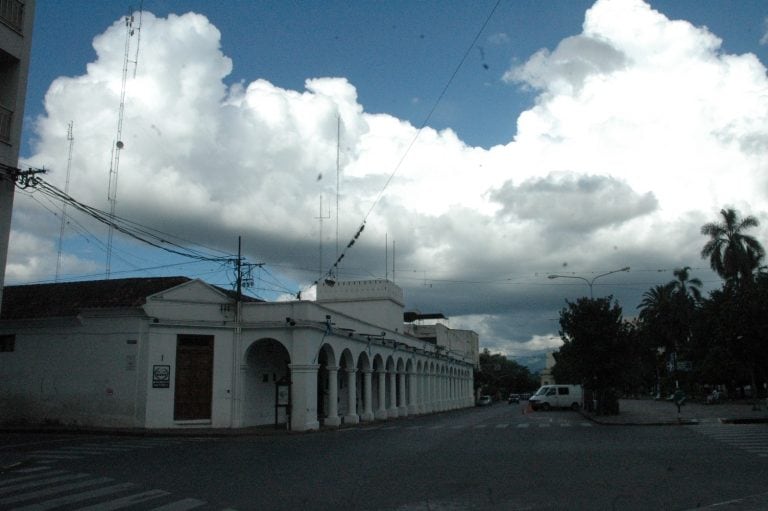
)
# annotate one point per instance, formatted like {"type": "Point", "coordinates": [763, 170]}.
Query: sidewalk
{"type": "Point", "coordinates": [647, 412]}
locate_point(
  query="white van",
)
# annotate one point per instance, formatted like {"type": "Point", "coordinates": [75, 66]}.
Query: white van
{"type": "Point", "coordinates": [557, 396]}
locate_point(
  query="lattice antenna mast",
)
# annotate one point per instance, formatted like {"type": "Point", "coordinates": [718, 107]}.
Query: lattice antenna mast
{"type": "Point", "coordinates": [338, 213]}
{"type": "Point", "coordinates": [114, 163]}
{"type": "Point", "coordinates": [320, 218]}
{"type": "Point", "coordinates": [71, 138]}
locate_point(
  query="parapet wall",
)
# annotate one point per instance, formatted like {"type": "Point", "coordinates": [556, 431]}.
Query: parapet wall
{"type": "Point", "coordinates": [358, 290]}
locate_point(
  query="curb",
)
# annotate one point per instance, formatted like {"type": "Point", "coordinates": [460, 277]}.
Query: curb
{"type": "Point", "coordinates": [677, 422]}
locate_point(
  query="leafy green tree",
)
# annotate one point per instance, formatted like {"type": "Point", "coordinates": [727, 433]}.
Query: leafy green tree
{"type": "Point", "coordinates": [499, 376]}
{"type": "Point", "coordinates": [596, 350]}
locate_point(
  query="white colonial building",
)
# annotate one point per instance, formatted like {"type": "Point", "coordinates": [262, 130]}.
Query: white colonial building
{"type": "Point", "coordinates": [175, 352]}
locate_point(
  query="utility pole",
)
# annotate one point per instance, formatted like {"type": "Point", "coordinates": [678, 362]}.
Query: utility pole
{"type": "Point", "coordinates": [239, 272]}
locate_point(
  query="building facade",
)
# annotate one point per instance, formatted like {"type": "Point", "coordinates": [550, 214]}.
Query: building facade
{"type": "Point", "coordinates": [16, 17]}
{"type": "Point", "coordinates": [174, 352]}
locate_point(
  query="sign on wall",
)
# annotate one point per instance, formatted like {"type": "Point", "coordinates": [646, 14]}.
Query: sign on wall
{"type": "Point", "coordinates": [161, 376]}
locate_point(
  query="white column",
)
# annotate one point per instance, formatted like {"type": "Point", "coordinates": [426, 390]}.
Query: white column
{"type": "Point", "coordinates": [351, 417]}
{"type": "Point", "coordinates": [367, 396]}
{"type": "Point", "coordinates": [392, 410]}
{"type": "Point", "coordinates": [381, 411]}
{"type": "Point", "coordinates": [428, 408]}
{"type": "Point", "coordinates": [413, 392]}
{"type": "Point", "coordinates": [304, 397]}
{"type": "Point", "coordinates": [402, 407]}
{"type": "Point", "coordinates": [333, 418]}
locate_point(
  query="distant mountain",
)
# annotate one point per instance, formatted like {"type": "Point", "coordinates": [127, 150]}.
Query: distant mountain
{"type": "Point", "coordinates": [534, 363]}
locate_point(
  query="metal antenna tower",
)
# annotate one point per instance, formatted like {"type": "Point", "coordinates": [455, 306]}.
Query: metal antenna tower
{"type": "Point", "coordinates": [320, 218]}
{"type": "Point", "coordinates": [114, 163]}
{"type": "Point", "coordinates": [71, 139]}
{"type": "Point", "coordinates": [338, 143]}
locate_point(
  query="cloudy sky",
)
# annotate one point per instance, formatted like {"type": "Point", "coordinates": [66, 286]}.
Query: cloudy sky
{"type": "Point", "coordinates": [492, 143]}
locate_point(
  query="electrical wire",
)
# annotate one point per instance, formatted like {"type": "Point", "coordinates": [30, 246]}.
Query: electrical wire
{"type": "Point", "coordinates": [139, 232]}
{"type": "Point", "coordinates": [330, 272]}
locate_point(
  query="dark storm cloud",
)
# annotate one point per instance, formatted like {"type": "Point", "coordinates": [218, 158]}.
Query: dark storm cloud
{"type": "Point", "coordinates": [577, 203]}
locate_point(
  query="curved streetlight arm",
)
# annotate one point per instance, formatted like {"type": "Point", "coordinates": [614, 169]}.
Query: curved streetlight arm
{"type": "Point", "coordinates": [588, 281]}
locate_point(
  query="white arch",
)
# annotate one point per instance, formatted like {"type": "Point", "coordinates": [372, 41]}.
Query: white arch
{"type": "Point", "coordinates": [265, 362]}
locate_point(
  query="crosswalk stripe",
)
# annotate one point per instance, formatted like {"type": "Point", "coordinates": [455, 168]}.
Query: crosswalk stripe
{"type": "Point", "coordinates": [54, 490]}
{"type": "Point", "coordinates": [523, 425]}
{"type": "Point", "coordinates": [180, 505]}
{"type": "Point", "coordinates": [29, 470]}
{"type": "Point", "coordinates": [130, 500]}
{"type": "Point", "coordinates": [78, 450]}
{"type": "Point", "coordinates": [28, 478]}
{"type": "Point", "coordinates": [53, 456]}
{"type": "Point", "coordinates": [752, 438]}
{"type": "Point", "coordinates": [41, 482]}
{"type": "Point", "coordinates": [501, 426]}
{"type": "Point", "coordinates": [77, 497]}
{"type": "Point", "coordinates": [545, 425]}
{"type": "Point", "coordinates": [106, 448]}
{"type": "Point", "coordinates": [141, 446]}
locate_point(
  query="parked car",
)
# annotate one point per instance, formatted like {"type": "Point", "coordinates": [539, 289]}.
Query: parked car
{"type": "Point", "coordinates": [484, 401]}
{"type": "Point", "coordinates": [513, 398]}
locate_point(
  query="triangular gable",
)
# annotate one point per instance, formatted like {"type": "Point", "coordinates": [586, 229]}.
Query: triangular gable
{"type": "Point", "coordinates": [193, 291]}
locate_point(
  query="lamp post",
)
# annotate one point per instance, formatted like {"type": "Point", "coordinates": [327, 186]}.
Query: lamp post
{"type": "Point", "coordinates": [588, 281]}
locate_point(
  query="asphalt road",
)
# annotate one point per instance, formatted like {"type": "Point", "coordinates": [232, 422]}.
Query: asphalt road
{"type": "Point", "coordinates": [495, 457]}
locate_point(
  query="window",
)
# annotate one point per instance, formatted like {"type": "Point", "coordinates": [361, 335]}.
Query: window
{"type": "Point", "coordinates": [562, 391]}
{"type": "Point", "coordinates": [7, 342]}
{"type": "Point", "coordinates": [12, 13]}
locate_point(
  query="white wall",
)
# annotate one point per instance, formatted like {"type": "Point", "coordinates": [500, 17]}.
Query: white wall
{"type": "Point", "coordinates": [379, 302]}
{"type": "Point", "coordinates": [75, 373]}
{"type": "Point", "coordinates": [162, 351]}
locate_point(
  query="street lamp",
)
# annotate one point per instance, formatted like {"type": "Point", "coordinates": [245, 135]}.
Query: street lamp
{"type": "Point", "coordinates": [588, 281]}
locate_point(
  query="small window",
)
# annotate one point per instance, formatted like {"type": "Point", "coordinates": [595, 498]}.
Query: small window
{"type": "Point", "coordinates": [563, 391]}
{"type": "Point", "coordinates": [7, 342]}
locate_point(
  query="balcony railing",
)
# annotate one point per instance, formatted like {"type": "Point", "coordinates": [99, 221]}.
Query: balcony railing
{"type": "Point", "coordinates": [12, 14]}
{"type": "Point", "coordinates": [6, 118]}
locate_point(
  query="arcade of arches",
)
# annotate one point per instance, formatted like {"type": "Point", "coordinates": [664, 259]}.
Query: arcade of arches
{"type": "Point", "coordinates": [348, 382]}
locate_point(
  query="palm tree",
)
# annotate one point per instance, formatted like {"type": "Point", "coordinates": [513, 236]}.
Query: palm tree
{"type": "Point", "coordinates": [686, 287]}
{"type": "Point", "coordinates": [736, 257]}
{"type": "Point", "coordinates": [657, 324]}
{"type": "Point", "coordinates": [656, 303]}
{"type": "Point", "coordinates": [732, 254]}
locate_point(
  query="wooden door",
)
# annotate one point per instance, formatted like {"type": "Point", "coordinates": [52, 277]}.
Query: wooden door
{"type": "Point", "coordinates": [194, 377]}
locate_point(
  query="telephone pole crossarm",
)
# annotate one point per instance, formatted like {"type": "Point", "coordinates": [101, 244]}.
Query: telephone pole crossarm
{"type": "Point", "coordinates": [22, 178]}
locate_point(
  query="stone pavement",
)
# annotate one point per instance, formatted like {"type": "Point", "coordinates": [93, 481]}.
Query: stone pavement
{"type": "Point", "coordinates": [649, 412]}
